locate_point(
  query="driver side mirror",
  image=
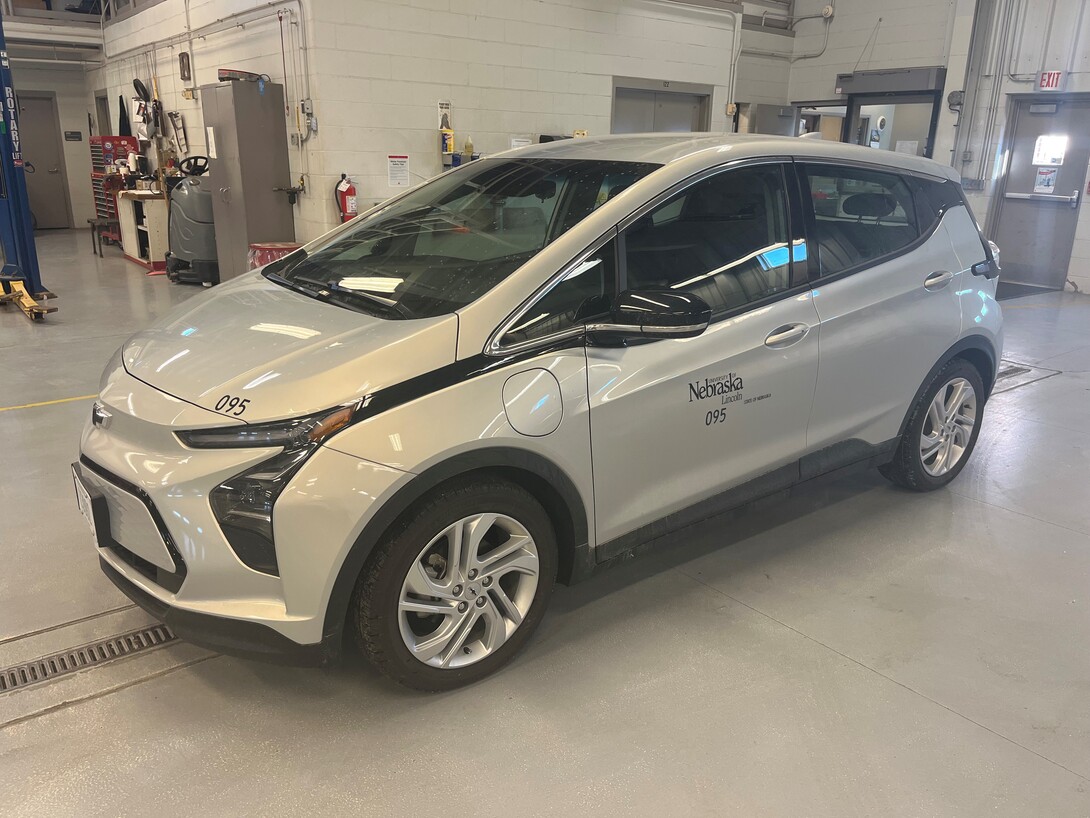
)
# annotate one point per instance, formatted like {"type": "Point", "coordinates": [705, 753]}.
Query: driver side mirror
{"type": "Point", "coordinates": [650, 315]}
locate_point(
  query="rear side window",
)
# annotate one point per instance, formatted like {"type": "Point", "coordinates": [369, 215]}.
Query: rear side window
{"type": "Point", "coordinates": [860, 215]}
{"type": "Point", "coordinates": [933, 198]}
{"type": "Point", "coordinates": [724, 239]}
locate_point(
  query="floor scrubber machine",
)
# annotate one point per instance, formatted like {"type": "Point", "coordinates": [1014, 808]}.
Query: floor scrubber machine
{"type": "Point", "coordinates": [192, 256]}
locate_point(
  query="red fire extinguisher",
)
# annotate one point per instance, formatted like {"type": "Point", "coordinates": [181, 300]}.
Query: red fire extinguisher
{"type": "Point", "coordinates": [345, 195]}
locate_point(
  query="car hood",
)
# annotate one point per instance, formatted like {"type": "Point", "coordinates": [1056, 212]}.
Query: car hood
{"type": "Point", "coordinates": [286, 353]}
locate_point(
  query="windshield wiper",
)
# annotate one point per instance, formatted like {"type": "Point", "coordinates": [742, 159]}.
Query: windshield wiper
{"type": "Point", "coordinates": [324, 289]}
{"type": "Point", "coordinates": [292, 285]}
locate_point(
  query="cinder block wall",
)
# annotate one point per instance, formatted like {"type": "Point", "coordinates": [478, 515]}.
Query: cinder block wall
{"type": "Point", "coordinates": [379, 67]}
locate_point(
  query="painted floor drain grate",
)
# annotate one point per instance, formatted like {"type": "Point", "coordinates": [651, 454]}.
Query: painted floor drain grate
{"type": "Point", "coordinates": [51, 667]}
{"type": "Point", "coordinates": [1012, 375]}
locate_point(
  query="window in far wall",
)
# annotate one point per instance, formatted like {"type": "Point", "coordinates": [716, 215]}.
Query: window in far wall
{"type": "Point", "coordinates": [115, 10]}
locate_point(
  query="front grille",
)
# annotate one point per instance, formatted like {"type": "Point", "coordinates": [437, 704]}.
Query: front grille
{"type": "Point", "coordinates": [170, 580]}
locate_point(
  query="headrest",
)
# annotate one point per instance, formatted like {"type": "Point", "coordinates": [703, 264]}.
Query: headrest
{"type": "Point", "coordinates": [874, 205]}
{"type": "Point", "coordinates": [715, 203]}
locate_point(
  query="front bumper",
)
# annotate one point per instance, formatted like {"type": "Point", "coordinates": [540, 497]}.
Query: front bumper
{"type": "Point", "coordinates": [162, 538]}
{"type": "Point", "coordinates": [237, 637]}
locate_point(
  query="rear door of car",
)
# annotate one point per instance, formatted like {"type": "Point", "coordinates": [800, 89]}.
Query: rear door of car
{"type": "Point", "coordinates": [886, 289]}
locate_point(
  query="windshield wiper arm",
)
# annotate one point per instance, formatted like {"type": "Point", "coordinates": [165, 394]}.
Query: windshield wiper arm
{"type": "Point", "coordinates": [328, 287]}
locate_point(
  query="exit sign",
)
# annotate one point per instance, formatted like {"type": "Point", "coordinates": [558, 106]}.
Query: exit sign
{"type": "Point", "coordinates": [1050, 80]}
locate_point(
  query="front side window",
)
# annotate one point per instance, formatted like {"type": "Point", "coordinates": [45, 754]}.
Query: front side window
{"type": "Point", "coordinates": [860, 215]}
{"type": "Point", "coordinates": [724, 239]}
{"type": "Point", "coordinates": [449, 242]}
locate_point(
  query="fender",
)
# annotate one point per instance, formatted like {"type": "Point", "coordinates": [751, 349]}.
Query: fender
{"type": "Point", "coordinates": [975, 345]}
{"type": "Point", "coordinates": [547, 481]}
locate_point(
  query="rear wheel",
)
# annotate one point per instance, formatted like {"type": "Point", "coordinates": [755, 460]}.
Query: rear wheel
{"type": "Point", "coordinates": [454, 592]}
{"type": "Point", "coordinates": [941, 431]}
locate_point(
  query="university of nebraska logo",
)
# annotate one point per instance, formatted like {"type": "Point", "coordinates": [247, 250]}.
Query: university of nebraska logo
{"type": "Point", "coordinates": [723, 386]}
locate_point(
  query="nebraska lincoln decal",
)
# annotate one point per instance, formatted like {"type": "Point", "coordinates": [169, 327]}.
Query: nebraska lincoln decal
{"type": "Point", "coordinates": [728, 388]}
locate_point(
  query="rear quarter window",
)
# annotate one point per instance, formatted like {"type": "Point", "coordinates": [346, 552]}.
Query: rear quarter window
{"type": "Point", "coordinates": [933, 198]}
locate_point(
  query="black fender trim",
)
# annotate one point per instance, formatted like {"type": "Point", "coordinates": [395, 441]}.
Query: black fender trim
{"type": "Point", "coordinates": [543, 478]}
{"type": "Point", "coordinates": [974, 345]}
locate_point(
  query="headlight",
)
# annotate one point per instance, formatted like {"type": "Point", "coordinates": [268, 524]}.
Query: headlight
{"type": "Point", "coordinates": [243, 504]}
{"type": "Point", "coordinates": [295, 433]}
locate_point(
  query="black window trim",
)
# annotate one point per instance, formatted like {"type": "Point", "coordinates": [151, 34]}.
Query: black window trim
{"type": "Point", "coordinates": [811, 220]}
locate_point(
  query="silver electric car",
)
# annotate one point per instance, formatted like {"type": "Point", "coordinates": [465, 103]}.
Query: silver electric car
{"type": "Point", "coordinates": [523, 370]}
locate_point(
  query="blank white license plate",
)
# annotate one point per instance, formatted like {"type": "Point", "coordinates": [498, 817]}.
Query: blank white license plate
{"type": "Point", "coordinates": [83, 499]}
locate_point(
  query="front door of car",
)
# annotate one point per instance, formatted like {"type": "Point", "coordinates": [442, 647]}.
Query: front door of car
{"type": "Point", "coordinates": [678, 421]}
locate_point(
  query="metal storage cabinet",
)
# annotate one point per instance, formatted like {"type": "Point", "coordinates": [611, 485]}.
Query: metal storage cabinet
{"type": "Point", "coordinates": [248, 147]}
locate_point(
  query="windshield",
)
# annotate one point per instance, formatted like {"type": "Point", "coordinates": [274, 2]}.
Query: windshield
{"type": "Point", "coordinates": [449, 242]}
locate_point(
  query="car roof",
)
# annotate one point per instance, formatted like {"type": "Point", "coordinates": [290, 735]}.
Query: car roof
{"type": "Point", "coordinates": [708, 150]}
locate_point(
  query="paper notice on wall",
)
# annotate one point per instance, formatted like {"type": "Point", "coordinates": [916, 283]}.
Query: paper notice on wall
{"type": "Point", "coordinates": [446, 123]}
{"type": "Point", "coordinates": [521, 141]}
{"type": "Point", "coordinates": [911, 146]}
{"type": "Point", "coordinates": [210, 132]}
{"type": "Point", "coordinates": [1046, 180]}
{"type": "Point", "coordinates": [397, 171]}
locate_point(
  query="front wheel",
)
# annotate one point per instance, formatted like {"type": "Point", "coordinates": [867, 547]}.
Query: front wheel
{"type": "Point", "coordinates": [941, 431]}
{"type": "Point", "coordinates": [457, 589]}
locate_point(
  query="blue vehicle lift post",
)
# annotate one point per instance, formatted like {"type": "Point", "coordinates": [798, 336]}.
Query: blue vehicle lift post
{"type": "Point", "coordinates": [20, 279]}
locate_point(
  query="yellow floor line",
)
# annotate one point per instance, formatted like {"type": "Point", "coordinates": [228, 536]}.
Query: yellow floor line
{"type": "Point", "coordinates": [46, 403]}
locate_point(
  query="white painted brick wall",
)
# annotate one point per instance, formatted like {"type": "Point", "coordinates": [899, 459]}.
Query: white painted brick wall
{"type": "Point", "coordinates": [509, 67]}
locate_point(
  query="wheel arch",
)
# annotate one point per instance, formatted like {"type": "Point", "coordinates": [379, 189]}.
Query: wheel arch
{"type": "Point", "coordinates": [542, 478]}
{"type": "Point", "coordinates": [977, 350]}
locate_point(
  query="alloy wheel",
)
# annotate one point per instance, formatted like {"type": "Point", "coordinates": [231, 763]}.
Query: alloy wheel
{"type": "Point", "coordinates": [948, 427]}
{"type": "Point", "coordinates": [468, 590]}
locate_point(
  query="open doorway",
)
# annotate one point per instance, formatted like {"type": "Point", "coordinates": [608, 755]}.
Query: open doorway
{"type": "Point", "coordinates": [905, 124]}
{"type": "Point", "coordinates": [828, 120]}
{"type": "Point", "coordinates": [102, 113]}
{"type": "Point", "coordinates": [659, 106]}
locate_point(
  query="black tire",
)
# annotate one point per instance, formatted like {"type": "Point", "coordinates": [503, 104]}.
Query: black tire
{"type": "Point", "coordinates": [374, 608]}
{"type": "Point", "coordinates": [907, 467]}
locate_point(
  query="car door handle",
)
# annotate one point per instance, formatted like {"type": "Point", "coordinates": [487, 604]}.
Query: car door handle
{"type": "Point", "coordinates": [786, 336]}
{"type": "Point", "coordinates": [937, 280]}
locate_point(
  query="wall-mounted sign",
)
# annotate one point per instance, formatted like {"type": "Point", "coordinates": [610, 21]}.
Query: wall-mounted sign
{"type": "Point", "coordinates": [73, 136]}
{"type": "Point", "coordinates": [1050, 81]}
{"type": "Point", "coordinates": [397, 171]}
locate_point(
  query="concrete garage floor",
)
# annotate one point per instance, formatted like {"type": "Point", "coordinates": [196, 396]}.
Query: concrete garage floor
{"type": "Point", "coordinates": [858, 651]}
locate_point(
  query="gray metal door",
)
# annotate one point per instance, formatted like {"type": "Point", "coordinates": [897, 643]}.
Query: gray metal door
{"type": "Point", "coordinates": [42, 152]}
{"type": "Point", "coordinates": [1049, 150]}
{"type": "Point", "coordinates": [639, 111]}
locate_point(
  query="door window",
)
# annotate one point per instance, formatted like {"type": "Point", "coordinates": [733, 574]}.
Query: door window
{"type": "Point", "coordinates": [1049, 149]}
{"type": "Point", "coordinates": [724, 239]}
{"type": "Point", "coordinates": [860, 215]}
{"type": "Point", "coordinates": [585, 292]}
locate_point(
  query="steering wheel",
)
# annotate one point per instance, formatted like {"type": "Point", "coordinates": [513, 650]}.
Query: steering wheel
{"type": "Point", "coordinates": [194, 165]}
